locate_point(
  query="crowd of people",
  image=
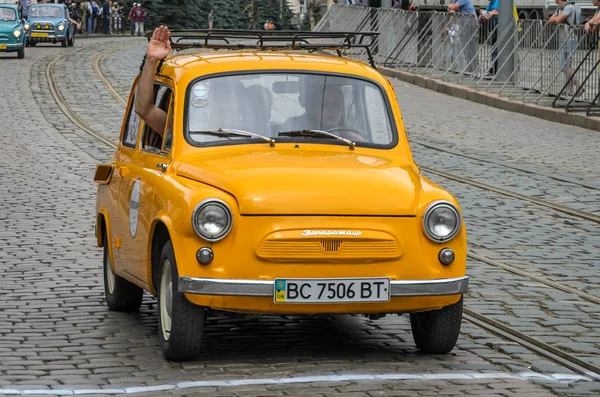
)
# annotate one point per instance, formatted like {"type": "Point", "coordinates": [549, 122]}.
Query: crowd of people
{"type": "Point", "coordinates": [99, 17]}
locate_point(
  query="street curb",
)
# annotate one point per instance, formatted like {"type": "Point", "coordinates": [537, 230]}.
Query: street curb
{"type": "Point", "coordinates": [80, 36]}
{"type": "Point", "coordinates": [485, 98]}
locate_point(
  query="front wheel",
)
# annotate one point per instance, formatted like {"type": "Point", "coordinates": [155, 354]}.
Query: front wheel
{"type": "Point", "coordinates": [121, 295]}
{"type": "Point", "coordinates": [437, 331]}
{"type": "Point", "coordinates": [65, 42]}
{"type": "Point", "coordinates": [180, 322]}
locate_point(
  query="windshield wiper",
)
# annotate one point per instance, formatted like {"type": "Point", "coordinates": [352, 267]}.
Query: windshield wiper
{"type": "Point", "coordinates": [227, 132]}
{"type": "Point", "coordinates": [315, 134]}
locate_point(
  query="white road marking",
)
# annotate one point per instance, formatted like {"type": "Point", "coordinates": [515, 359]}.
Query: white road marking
{"type": "Point", "coordinates": [524, 376]}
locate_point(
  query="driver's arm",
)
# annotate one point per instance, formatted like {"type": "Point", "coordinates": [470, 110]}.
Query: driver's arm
{"type": "Point", "coordinates": [158, 48]}
{"type": "Point", "coordinates": [144, 99]}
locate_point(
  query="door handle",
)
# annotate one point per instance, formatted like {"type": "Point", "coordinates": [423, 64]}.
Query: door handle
{"type": "Point", "coordinates": [162, 166]}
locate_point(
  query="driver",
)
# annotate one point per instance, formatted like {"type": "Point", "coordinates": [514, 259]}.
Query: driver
{"type": "Point", "coordinates": [326, 116]}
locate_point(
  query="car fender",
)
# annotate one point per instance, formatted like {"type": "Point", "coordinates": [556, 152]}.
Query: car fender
{"type": "Point", "coordinates": [103, 213]}
{"type": "Point", "coordinates": [164, 218]}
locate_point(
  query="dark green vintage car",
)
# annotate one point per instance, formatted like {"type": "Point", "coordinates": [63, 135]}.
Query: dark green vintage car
{"type": "Point", "coordinates": [12, 30]}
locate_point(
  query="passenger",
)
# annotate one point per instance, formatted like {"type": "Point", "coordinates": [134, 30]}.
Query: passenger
{"type": "Point", "coordinates": [223, 107]}
{"type": "Point", "coordinates": [258, 112]}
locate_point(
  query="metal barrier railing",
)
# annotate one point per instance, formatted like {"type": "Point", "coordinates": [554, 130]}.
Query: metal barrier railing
{"type": "Point", "coordinates": [551, 64]}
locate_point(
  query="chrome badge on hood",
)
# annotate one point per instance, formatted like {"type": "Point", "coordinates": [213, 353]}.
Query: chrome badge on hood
{"type": "Point", "coordinates": [331, 233]}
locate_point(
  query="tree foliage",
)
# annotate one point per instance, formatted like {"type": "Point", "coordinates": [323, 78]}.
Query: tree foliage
{"type": "Point", "coordinates": [229, 14]}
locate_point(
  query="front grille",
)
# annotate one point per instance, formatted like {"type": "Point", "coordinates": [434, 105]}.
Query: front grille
{"type": "Point", "coordinates": [331, 245]}
{"type": "Point", "coordinates": [42, 26]}
{"type": "Point", "coordinates": [288, 250]}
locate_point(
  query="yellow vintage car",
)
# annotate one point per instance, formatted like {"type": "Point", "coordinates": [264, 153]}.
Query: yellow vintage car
{"type": "Point", "coordinates": [282, 184]}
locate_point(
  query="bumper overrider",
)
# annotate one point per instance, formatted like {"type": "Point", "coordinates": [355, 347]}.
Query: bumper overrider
{"type": "Point", "coordinates": [266, 288]}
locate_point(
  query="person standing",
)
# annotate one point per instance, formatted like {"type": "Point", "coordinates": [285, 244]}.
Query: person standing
{"type": "Point", "coordinates": [211, 19]}
{"type": "Point", "coordinates": [566, 13]}
{"type": "Point", "coordinates": [140, 16]}
{"type": "Point", "coordinates": [106, 17]}
{"type": "Point", "coordinates": [468, 30]}
{"type": "Point", "coordinates": [24, 8]}
{"type": "Point", "coordinates": [132, 18]}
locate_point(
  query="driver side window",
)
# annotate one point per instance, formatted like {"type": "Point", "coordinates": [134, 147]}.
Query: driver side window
{"type": "Point", "coordinates": [152, 141]}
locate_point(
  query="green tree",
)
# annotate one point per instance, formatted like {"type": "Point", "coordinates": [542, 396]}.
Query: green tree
{"type": "Point", "coordinates": [177, 14]}
{"type": "Point", "coordinates": [229, 14]}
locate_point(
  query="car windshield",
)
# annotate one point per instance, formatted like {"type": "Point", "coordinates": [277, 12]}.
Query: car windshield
{"type": "Point", "coordinates": [282, 105]}
{"type": "Point", "coordinates": [7, 14]}
{"type": "Point", "coordinates": [50, 12]}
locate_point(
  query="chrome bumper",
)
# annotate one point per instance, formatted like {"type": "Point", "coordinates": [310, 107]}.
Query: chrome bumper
{"type": "Point", "coordinates": [12, 47]}
{"type": "Point", "coordinates": [50, 37]}
{"type": "Point", "coordinates": [232, 287]}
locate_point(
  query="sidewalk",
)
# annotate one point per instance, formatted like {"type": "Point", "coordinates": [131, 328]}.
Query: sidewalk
{"type": "Point", "coordinates": [460, 91]}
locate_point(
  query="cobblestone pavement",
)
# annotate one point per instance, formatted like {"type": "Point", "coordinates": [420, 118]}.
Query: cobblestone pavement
{"type": "Point", "coordinates": [549, 242]}
{"type": "Point", "coordinates": [56, 332]}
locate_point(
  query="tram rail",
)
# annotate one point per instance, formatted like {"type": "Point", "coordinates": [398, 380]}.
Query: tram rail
{"type": "Point", "coordinates": [471, 254]}
{"type": "Point", "coordinates": [557, 207]}
{"type": "Point", "coordinates": [504, 331]}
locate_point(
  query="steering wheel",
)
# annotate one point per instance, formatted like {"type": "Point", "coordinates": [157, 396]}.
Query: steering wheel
{"type": "Point", "coordinates": [353, 134]}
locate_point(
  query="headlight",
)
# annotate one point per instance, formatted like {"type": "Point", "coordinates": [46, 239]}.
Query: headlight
{"type": "Point", "coordinates": [212, 219]}
{"type": "Point", "coordinates": [17, 33]}
{"type": "Point", "coordinates": [61, 27]}
{"type": "Point", "coordinates": [441, 221]}
{"type": "Point", "coordinates": [26, 26]}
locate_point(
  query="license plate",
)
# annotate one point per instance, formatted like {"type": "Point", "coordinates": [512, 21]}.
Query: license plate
{"type": "Point", "coordinates": [2, 46]}
{"type": "Point", "coordinates": [316, 290]}
{"type": "Point", "coordinates": [34, 34]}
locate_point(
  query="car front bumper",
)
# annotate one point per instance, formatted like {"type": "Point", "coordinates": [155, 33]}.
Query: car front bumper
{"type": "Point", "coordinates": [11, 47]}
{"type": "Point", "coordinates": [48, 38]}
{"type": "Point", "coordinates": [266, 288]}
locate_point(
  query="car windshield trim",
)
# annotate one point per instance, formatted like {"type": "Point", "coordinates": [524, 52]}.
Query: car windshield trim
{"type": "Point", "coordinates": [386, 109]}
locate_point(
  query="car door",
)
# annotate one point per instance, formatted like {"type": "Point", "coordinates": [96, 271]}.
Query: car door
{"type": "Point", "coordinates": [147, 165]}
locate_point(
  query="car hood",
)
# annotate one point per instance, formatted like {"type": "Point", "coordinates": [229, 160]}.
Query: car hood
{"type": "Point", "coordinates": [300, 182]}
{"type": "Point", "coordinates": [6, 26]}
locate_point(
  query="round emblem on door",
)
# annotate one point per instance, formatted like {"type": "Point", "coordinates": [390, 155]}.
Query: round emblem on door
{"type": "Point", "coordinates": [134, 207]}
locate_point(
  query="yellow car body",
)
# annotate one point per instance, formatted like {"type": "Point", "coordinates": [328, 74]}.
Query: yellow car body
{"type": "Point", "coordinates": [316, 217]}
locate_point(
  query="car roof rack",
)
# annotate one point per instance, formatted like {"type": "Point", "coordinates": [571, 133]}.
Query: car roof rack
{"type": "Point", "coordinates": [182, 39]}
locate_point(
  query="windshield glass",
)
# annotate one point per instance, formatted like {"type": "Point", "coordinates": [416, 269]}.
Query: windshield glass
{"type": "Point", "coordinates": [8, 14]}
{"type": "Point", "coordinates": [49, 12]}
{"type": "Point", "coordinates": [271, 103]}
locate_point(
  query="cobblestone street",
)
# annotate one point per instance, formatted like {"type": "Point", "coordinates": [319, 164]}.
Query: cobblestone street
{"type": "Point", "coordinates": [58, 336]}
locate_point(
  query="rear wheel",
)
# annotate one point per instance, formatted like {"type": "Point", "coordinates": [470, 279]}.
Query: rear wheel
{"type": "Point", "coordinates": [437, 331]}
{"type": "Point", "coordinates": [180, 322]}
{"type": "Point", "coordinates": [121, 295]}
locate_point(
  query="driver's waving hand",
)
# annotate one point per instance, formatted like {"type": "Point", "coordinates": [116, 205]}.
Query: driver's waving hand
{"type": "Point", "coordinates": [158, 48]}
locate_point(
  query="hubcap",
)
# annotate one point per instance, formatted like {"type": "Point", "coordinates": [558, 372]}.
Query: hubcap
{"type": "Point", "coordinates": [166, 299]}
{"type": "Point", "coordinates": [110, 276]}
